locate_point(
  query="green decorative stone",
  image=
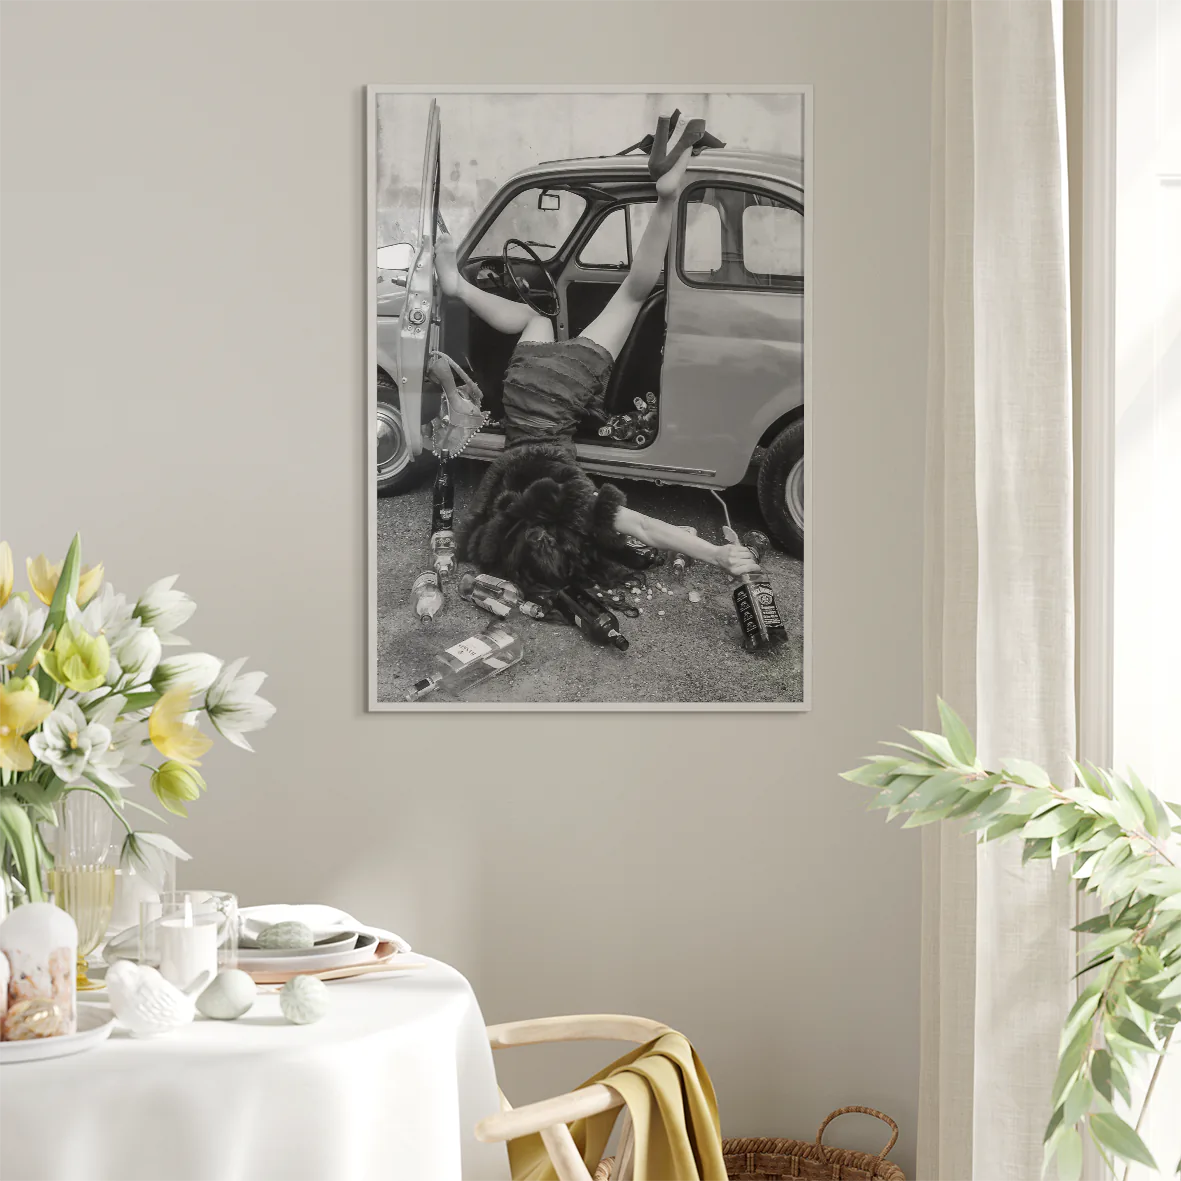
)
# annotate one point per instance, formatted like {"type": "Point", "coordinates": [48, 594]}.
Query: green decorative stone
{"type": "Point", "coordinates": [229, 996]}
{"type": "Point", "coordinates": [303, 999]}
{"type": "Point", "coordinates": [286, 937]}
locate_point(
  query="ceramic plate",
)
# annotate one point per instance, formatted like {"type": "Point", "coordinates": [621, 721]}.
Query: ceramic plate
{"type": "Point", "coordinates": [334, 945]}
{"type": "Point", "coordinates": [95, 1023]}
{"type": "Point", "coordinates": [310, 959]}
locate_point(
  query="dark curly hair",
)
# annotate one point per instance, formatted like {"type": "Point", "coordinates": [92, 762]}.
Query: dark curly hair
{"type": "Point", "coordinates": [538, 520]}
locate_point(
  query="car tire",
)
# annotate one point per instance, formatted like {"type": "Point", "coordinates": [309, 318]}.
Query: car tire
{"type": "Point", "coordinates": [397, 471]}
{"type": "Point", "coordinates": [781, 488]}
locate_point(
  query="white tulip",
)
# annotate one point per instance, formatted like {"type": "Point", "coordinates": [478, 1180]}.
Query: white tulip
{"type": "Point", "coordinates": [19, 627]}
{"type": "Point", "coordinates": [198, 670]}
{"type": "Point", "coordinates": [136, 651]}
{"type": "Point", "coordinates": [103, 615]}
{"type": "Point", "coordinates": [67, 743]}
{"type": "Point", "coordinates": [234, 706]}
{"type": "Point", "coordinates": [164, 609]}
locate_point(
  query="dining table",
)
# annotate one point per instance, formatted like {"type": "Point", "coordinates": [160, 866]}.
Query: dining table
{"type": "Point", "coordinates": [388, 1085]}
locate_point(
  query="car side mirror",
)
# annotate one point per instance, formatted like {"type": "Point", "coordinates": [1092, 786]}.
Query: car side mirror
{"type": "Point", "coordinates": [399, 256]}
{"type": "Point", "coordinates": [551, 202]}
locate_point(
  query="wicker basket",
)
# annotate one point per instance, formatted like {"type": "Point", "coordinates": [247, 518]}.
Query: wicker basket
{"type": "Point", "coordinates": [770, 1160]}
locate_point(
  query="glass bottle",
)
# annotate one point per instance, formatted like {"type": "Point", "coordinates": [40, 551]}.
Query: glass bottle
{"type": "Point", "coordinates": [681, 562]}
{"type": "Point", "coordinates": [443, 519]}
{"type": "Point", "coordinates": [497, 596]}
{"type": "Point", "coordinates": [471, 661]}
{"type": "Point", "coordinates": [590, 617]}
{"type": "Point", "coordinates": [428, 597]}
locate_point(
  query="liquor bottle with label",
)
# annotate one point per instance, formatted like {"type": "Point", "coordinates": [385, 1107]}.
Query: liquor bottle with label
{"type": "Point", "coordinates": [471, 661]}
{"type": "Point", "coordinates": [682, 562]}
{"type": "Point", "coordinates": [758, 614]}
{"type": "Point", "coordinates": [428, 598]}
{"type": "Point", "coordinates": [590, 617]}
{"type": "Point", "coordinates": [497, 595]}
{"type": "Point", "coordinates": [443, 519]}
{"type": "Point", "coordinates": [758, 543]}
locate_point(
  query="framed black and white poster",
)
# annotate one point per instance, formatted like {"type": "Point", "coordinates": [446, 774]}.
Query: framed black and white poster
{"type": "Point", "coordinates": [589, 383]}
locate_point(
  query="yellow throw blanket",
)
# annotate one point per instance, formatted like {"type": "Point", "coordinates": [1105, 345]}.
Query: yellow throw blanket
{"type": "Point", "coordinates": [673, 1109]}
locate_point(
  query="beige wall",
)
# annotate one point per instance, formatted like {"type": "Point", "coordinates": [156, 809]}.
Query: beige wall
{"type": "Point", "coordinates": [183, 380]}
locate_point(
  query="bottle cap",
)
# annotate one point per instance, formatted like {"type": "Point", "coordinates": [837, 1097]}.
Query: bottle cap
{"type": "Point", "coordinates": [620, 642]}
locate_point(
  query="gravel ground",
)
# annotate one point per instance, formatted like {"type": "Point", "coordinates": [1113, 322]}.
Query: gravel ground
{"type": "Point", "coordinates": [691, 653]}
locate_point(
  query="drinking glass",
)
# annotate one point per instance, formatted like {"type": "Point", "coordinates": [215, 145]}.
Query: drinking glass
{"type": "Point", "coordinates": [83, 877]}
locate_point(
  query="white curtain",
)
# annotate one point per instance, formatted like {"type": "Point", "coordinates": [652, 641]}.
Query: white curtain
{"type": "Point", "coordinates": [999, 616]}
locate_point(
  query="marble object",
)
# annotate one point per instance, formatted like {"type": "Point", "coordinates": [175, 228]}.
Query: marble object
{"type": "Point", "coordinates": [145, 1002]}
{"type": "Point", "coordinates": [230, 994]}
{"type": "Point", "coordinates": [39, 943]}
{"type": "Point", "coordinates": [286, 936]}
{"type": "Point", "coordinates": [304, 1000]}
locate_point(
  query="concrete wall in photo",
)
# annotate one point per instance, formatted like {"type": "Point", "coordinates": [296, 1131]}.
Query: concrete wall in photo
{"type": "Point", "coordinates": [489, 137]}
{"type": "Point", "coordinates": [184, 279]}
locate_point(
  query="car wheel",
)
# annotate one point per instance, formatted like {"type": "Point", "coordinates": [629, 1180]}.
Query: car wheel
{"type": "Point", "coordinates": [397, 471]}
{"type": "Point", "coordinates": [781, 488]}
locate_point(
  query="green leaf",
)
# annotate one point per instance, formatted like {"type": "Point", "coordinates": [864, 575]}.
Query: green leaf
{"type": "Point", "coordinates": [1147, 803]}
{"type": "Point", "coordinates": [1004, 826]}
{"type": "Point", "coordinates": [1113, 1133]}
{"type": "Point", "coordinates": [938, 790]}
{"type": "Point", "coordinates": [1131, 1032]}
{"type": "Point", "coordinates": [1108, 940]}
{"type": "Point", "coordinates": [898, 791]}
{"type": "Point", "coordinates": [958, 736]}
{"type": "Point", "coordinates": [1101, 1074]}
{"type": "Point", "coordinates": [40, 797]}
{"type": "Point", "coordinates": [936, 744]}
{"type": "Point", "coordinates": [970, 802]}
{"type": "Point", "coordinates": [1069, 1064]}
{"type": "Point", "coordinates": [1037, 850]}
{"type": "Point", "coordinates": [1089, 779]}
{"type": "Point", "coordinates": [868, 775]}
{"type": "Point", "coordinates": [129, 803]}
{"type": "Point", "coordinates": [1101, 922]}
{"type": "Point", "coordinates": [1070, 1156]}
{"type": "Point", "coordinates": [18, 831]}
{"type": "Point", "coordinates": [1050, 824]}
{"type": "Point", "coordinates": [138, 701]}
{"type": "Point", "coordinates": [1077, 1101]}
{"type": "Point", "coordinates": [1026, 772]}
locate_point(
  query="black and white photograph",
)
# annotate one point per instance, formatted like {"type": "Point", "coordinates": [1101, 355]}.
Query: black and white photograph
{"type": "Point", "coordinates": [588, 439]}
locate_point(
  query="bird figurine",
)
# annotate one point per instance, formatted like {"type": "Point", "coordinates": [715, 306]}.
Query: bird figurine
{"type": "Point", "coordinates": [147, 1003]}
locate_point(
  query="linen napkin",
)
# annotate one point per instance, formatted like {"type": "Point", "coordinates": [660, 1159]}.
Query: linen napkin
{"type": "Point", "coordinates": [325, 921]}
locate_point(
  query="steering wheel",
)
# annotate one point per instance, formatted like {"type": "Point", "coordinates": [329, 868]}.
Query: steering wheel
{"type": "Point", "coordinates": [527, 295]}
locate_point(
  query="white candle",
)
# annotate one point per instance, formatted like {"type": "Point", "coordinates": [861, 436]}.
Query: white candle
{"type": "Point", "coordinates": [187, 950]}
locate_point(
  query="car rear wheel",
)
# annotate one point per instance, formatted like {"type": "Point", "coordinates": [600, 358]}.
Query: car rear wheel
{"type": "Point", "coordinates": [781, 488]}
{"type": "Point", "coordinates": [397, 470]}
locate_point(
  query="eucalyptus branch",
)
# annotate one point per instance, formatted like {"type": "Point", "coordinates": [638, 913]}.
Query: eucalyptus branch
{"type": "Point", "coordinates": [1117, 834]}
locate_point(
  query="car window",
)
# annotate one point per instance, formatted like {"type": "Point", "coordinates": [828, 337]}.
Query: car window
{"type": "Point", "coordinates": [534, 220]}
{"type": "Point", "coordinates": [737, 237]}
{"type": "Point", "coordinates": [773, 242]}
{"type": "Point", "coordinates": [608, 246]}
{"type": "Point", "coordinates": [701, 254]}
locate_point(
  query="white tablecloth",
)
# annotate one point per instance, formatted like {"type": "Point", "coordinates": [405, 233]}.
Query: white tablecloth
{"type": "Point", "coordinates": [388, 1086]}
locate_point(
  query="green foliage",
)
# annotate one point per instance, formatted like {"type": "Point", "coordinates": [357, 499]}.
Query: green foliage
{"type": "Point", "coordinates": [1115, 835]}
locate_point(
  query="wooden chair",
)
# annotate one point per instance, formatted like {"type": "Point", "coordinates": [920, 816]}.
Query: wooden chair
{"type": "Point", "coordinates": [550, 1117]}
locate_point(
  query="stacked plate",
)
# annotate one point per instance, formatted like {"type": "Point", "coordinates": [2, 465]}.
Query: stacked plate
{"type": "Point", "coordinates": [336, 952]}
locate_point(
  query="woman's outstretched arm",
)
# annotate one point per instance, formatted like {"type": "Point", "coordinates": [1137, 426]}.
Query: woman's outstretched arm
{"type": "Point", "coordinates": [504, 315]}
{"type": "Point", "coordinates": [734, 559]}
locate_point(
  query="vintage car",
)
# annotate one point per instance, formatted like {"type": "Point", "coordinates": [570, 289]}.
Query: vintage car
{"type": "Point", "coordinates": [717, 350]}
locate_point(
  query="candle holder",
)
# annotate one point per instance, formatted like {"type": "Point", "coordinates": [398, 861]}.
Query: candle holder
{"type": "Point", "coordinates": [187, 933]}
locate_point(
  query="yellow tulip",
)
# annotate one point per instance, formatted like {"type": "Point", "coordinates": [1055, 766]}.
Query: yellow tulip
{"type": "Point", "coordinates": [5, 572]}
{"type": "Point", "coordinates": [171, 735]}
{"type": "Point", "coordinates": [76, 659]}
{"type": "Point", "coordinates": [43, 576]}
{"type": "Point", "coordinates": [21, 710]}
{"type": "Point", "coordinates": [174, 783]}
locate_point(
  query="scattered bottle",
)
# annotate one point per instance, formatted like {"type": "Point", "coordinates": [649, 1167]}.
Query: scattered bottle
{"type": "Point", "coordinates": [648, 555]}
{"type": "Point", "coordinates": [590, 617]}
{"type": "Point", "coordinates": [640, 404]}
{"type": "Point", "coordinates": [443, 520]}
{"type": "Point", "coordinates": [650, 399]}
{"type": "Point", "coordinates": [471, 661]}
{"type": "Point", "coordinates": [682, 562]}
{"type": "Point", "coordinates": [758, 615]}
{"type": "Point", "coordinates": [497, 596]}
{"type": "Point", "coordinates": [758, 544]}
{"type": "Point", "coordinates": [428, 597]}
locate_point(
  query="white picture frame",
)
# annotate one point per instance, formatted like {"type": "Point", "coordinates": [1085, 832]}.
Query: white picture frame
{"type": "Point", "coordinates": [373, 95]}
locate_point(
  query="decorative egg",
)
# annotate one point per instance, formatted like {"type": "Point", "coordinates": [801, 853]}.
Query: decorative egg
{"type": "Point", "coordinates": [229, 996]}
{"type": "Point", "coordinates": [286, 936]}
{"type": "Point", "coordinates": [303, 999]}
